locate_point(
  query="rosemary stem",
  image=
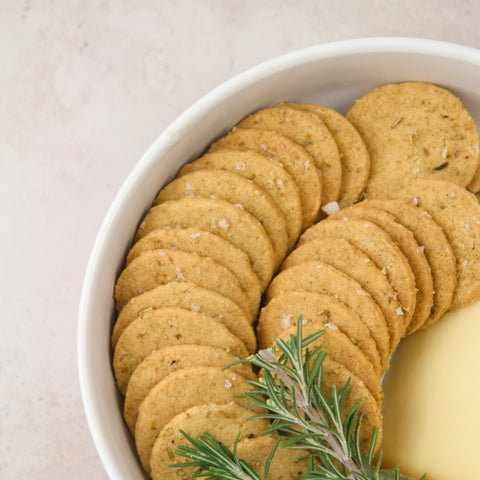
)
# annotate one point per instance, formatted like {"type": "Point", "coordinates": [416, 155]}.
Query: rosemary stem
{"type": "Point", "coordinates": [312, 413]}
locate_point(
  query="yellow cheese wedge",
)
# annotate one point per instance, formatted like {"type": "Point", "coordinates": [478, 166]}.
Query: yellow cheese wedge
{"type": "Point", "coordinates": [432, 400]}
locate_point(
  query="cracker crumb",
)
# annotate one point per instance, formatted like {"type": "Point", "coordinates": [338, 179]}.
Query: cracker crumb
{"type": "Point", "coordinates": [331, 207]}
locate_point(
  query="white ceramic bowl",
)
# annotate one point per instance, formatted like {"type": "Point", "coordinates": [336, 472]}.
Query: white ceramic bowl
{"type": "Point", "coordinates": [333, 74]}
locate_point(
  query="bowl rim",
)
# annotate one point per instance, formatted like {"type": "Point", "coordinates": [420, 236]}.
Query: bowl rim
{"type": "Point", "coordinates": [175, 132]}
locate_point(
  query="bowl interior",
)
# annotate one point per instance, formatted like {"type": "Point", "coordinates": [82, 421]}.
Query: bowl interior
{"type": "Point", "coordinates": [331, 74]}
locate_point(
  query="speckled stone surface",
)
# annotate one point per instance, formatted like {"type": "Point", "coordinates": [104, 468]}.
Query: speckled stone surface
{"type": "Point", "coordinates": [86, 87]}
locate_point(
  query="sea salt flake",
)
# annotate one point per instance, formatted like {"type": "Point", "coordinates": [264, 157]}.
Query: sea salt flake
{"type": "Point", "coordinates": [240, 166]}
{"type": "Point", "coordinates": [195, 235]}
{"type": "Point", "coordinates": [194, 307]}
{"type": "Point", "coordinates": [399, 311]}
{"type": "Point", "coordinates": [240, 206]}
{"type": "Point", "coordinates": [280, 183]}
{"type": "Point", "coordinates": [228, 384]}
{"type": "Point", "coordinates": [331, 326]}
{"type": "Point", "coordinates": [415, 170]}
{"type": "Point", "coordinates": [452, 194]}
{"type": "Point", "coordinates": [179, 274]}
{"type": "Point", "coordinates": [223, 222]}
{"type": "Point", "coordinates": [445, 152]}
{"type": "Point", "coordinates": [416, 200]}
{"type": "Point", "coordinates": [422, 248]}
{"type": "Point", "coordinates": [287, 321]}
{"type": "Point", "coordinates": [331, 207]}
{"type": "Point", "coordinates": [363, 293]}
{"type": "Point", "coordinates": [142, 225]}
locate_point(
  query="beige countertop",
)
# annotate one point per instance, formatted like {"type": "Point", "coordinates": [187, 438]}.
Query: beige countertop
{"type": "Point", "coordinates": [86, 87]}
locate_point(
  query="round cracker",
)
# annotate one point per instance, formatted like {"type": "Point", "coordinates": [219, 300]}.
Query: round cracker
{"type": "Point", "coordinates": [353, 152]}
{"type": "Point", "coordinates": [413, 130]}
{"type": "Point", "coordinates": [283, 311]}
{"type": "Point", "coordinates": [222, 422]}
{"type": "Point", "coordinates": [157, 267]}
{"type": "Point", "coordinates": [178, 392]}
{"type": "Point", "coordinates": [169, 326]}
{"type": "Point", "coordinates": [323, 278]}
{"type": "Point", "coordinates": [457, 211]}
{"type": "Point", "coordinates": [180, 294]}
{"type": "Point", "coordinates": [381, 249]}
{"type": "Point", "coordinates": [286, 464]}
{"type": "Point", "coordinates": [436, 248]}
{"type": "Point", "coordinates": [307, 130]}
{"type": "Point", "coordinates": [292, 157]}
{"type": "Point", "coordinates": [235, 189]}
{"type": "Point", "coordinates": [342, 255]}
{"type": "Point", "coordinates": [266, 174]}
{"type": "Point", "coordinates": [205, 244]}
{"type": "Point", "coordinates": [156, 366]}
{"type": "Point", "coordinates": [222, 218]}
{"type": "Point", "coordinates": [342, 350]}
{"type": "Point", "coordinates": [405, 240]}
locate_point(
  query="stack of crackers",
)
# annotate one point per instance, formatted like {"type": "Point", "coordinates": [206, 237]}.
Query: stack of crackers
{"type": "Point", "coordinates": [365, 225]}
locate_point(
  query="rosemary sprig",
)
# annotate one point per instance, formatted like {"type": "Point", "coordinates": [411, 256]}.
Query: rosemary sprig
{"type": "Point", "coordinates": [290, 391]}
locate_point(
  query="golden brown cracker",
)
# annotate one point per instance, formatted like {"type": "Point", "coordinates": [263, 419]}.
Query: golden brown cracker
{"type": "Point", "coordinates": [223, 422]}
{"type": "Point", "coordinates": [221, 218]}
{"type": "Point", "coordinates": [342, 255]}
{"type": "Point", "coordinates": [205, 244]}
{"type": "Point", "coordinates": [457, 211]}
{"type": "Point", "coordinates": [320, 277]}
{"type": "Point", "coordinates": [416, 129]}
{"type": "Point", "coordinates": [436, 248]}
{"type": "Point", "coordinates": [178, 392]}
{"type": "Point", "coordinates": [157, 267]}
{"type": "Point", "coordinates": [283, 311]}
{"type": "Point", "coordinates": [263, 172]}
{"type": "Point", "coordinates": [353, 152]}
{"type": "Point", "coordinates": [292, 157]}
{"type": "Point", "coordinates": [169, 326]}
{"type": "Point", "coordinates": [404, 238]}
{"type": "Point", "coordinates": [235, 189]}
{"type": "Point", "coordinates": [184, 295]}
{"type": "Point", "coordinates": [156, 366]}
{"type": "Point", "coordinates": [382, 250]}
{"type": "Point", "coordinates": [307, 130]}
